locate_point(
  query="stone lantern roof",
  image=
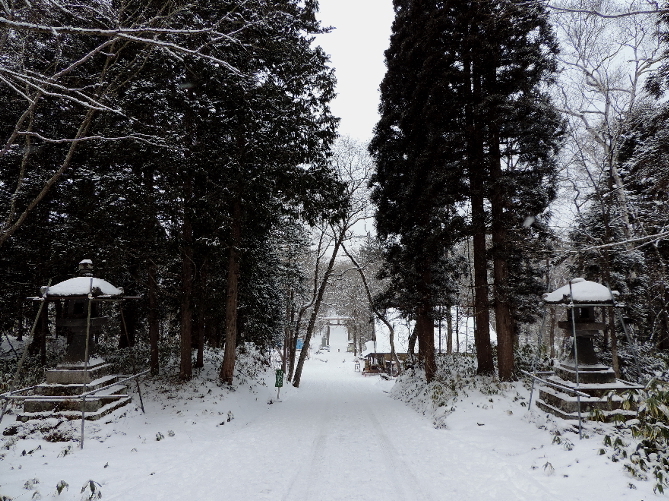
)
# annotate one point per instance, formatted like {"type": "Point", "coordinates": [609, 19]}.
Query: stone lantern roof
{"type": "Point", "coordinates": [582, 291]}
{"type": "Point", "coordinates": [83, 285]}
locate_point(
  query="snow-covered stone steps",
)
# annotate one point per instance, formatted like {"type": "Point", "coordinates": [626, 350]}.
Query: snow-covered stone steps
{"type": "Point", "coordinates": [54, 389]}
{"type": "Point", "coordinates": [61, 397]}
{"type": "Point", "coordinates": [76, 414]}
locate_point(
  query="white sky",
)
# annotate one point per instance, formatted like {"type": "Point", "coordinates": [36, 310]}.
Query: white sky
{"type": "Point", "coordinates": [356, 49]}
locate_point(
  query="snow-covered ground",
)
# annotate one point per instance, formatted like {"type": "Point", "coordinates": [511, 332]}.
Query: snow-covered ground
{"type": "Point", "coordinates": [340, 436]}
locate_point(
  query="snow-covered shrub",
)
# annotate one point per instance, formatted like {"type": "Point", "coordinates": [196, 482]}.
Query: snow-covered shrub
{"type": "Point", "coordinates": [136, 358]}
{"type": "Point", "coordinates": [91, 490]}
{"type": "Point", "coordinates": [61, 486]}
{"type": "Point", "coordinates": [529, 357]}
{"type": "Point", "coordinates": [32, 371]}
{"type": "Point", "coordinates": [50, 430]}
{"type": "Point", "coordinates": [125, 360]}
{"type": "Point", "coordinates": [455, 377]}
{"type": "Point", "coordinates": [638, 362]}
{"type": "Point", "coordinates": [251, 364]}
{"type": "Point", "coordinates": [643, 443]}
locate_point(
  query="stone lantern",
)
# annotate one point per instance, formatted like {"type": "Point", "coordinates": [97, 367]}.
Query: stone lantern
{"type": "Point", "coordinates": [81, 297]}
{"type": "Point", "coordinates": [581, 372]}
{"type": "Point", "coordinates": [80, 373]}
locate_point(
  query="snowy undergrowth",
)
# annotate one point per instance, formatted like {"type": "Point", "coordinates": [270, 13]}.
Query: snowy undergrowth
{"type": "Point", "coordinates": [176, 411]}
{"type": "Point", "coordinates": [641, 445]}
{"type": "Point", "coordinates": [32, 372]}
{"type": "Point", "coordinates": [455, 381]}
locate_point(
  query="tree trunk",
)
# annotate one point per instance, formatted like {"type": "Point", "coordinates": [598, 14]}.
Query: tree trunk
{"type": "Point", "coordinates": [425, 324]}
{"type": "Point", "coordinates": [297, 324]}
{"type": "Point", "coordinates": [186, 367]}
{"type": "Point", "coordinates": [37, 344]}
{"type": "Point", "coordinates": [614, 343]}
{"type": "Point", "coordinates": [376, 312]}
{"type": "Point", "coordinates": [20, 326]}
{"type": "Point", "coordinates": [503, 317]}
{"type": "Point", "coordinates": [477, 174]}
{"type": "Point", "coordinates": [449, 334]}
{"type": "Point", "coordinates": [60, 314]}
{"type": "Point", "coordinates": [187, 251]}
{"type": "Point", "coordinates": [286, 331]}
{"type": "Point", "coordinates": [232, 296]}
{"type": "Point", "coordinates": [355, 339]}
{"type": "Point", "coordinates": [292, 343]}
{"type": "Point", "coordinates": [457, 329]}
{"type": "Point", "coordinates": [199, 361]}
{"type": "Point", "coordinates": [317, 304]}
{"type": "Point", "coordinates": [663, 295]}
{"type": "Point", "coordinates": [503, 322]}
{"type": "Point", "coordinates": [200, 325]}
{"type": "Point", "coordinates": [411, 350]}
{"type": "Point", "coordinates": [154, 324]}
{"type": "Point", "coordinates": [551, 333]}
{"type": "Point", "coordinates": [128, 325]}
{"type": "Point", "coordinates": [425, 329]}
{"type": "Point", "coordinates": [44, 332]}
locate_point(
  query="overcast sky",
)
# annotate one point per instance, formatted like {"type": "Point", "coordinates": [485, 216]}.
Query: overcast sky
{"type": "Point", "coordinates": [356, 46]}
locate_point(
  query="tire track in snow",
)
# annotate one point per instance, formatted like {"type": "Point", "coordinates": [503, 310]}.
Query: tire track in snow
{"type": "Point", "coordinates": [302, 483]}
{"type": "Point", "coordinates": [404, 481]}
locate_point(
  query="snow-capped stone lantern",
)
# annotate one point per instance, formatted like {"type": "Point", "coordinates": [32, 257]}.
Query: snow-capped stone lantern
{"type": "Point", "coordinates": [580, 382]}
{"type": "Point", "coordinates": [81, 296]}
{"type": "Point", "coordinates": [81, 385]}
{"type": "Point", "coordinates": [582, 297]}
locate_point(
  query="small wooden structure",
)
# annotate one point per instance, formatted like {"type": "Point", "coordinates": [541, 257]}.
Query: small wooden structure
{"type": "Point", "coordinates": [382, 363]}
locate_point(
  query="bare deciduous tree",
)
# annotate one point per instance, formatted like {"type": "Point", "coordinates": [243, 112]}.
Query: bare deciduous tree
{"type": "Point", "coordinates": [353, 165]}
{"type": "Point", "coordinates": [605, 63]}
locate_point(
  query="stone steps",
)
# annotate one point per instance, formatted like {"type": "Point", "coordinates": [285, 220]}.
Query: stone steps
{"type": "Point", "coordinates": [55, 389]}
{"type": "Point", "coordinates": [606, 394]}
{"type": "Point", "coordinates": [76, 374]}
{"type": "Point", "coordinates": [65, 414]}
{"type": "Point", "coordinates": [608, 416]}
{"type": "Point", "coordinates": [92, 403]}
{"type": "Point", "coordinates": [60, 395]}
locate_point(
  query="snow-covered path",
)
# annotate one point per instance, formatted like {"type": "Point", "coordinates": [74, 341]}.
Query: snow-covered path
{"type": "Point", "coordinates": [338, 437]}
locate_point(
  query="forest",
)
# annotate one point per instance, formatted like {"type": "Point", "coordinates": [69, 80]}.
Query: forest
{"type": "Point", "coordinates": [189, 151]}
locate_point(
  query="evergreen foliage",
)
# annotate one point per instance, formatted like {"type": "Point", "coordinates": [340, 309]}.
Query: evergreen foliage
{"type": "Point", "coordinates": [222, 135]}
{"type": "Point", "coordinates": [466, 126]}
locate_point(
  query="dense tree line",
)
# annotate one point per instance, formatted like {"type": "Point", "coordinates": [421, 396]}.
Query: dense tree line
{"type": "Point", "coordinates": [470, 146]}
{"type": "Point", "coordinates": [175, 144]}
{"type": "Point", "coordinates": [184, 147]}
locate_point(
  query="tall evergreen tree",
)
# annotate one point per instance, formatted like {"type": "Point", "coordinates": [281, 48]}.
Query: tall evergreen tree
{"type": "Point", "coordinates": [418, 150]}
{"type": "Point", "coordinates": [464, 122]}
{"type": "Point", "coordinates": [223, 143]}
{"type": "Point", "coordinates": [514, 60]}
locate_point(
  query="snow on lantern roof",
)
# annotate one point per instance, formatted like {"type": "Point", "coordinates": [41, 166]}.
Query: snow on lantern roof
{"type": "Point", "coordinates": [82, 286]}
{"type": "Point", "coordinates": [583, 291]}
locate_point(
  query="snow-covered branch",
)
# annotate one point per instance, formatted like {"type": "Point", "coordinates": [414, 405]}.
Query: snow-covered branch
{"type": "Point", "coordinates": [113, 33]}
{"type": "Point", "coordinates": [143, 138]}
{"type": "Point", "coordinates": [627, 243]}
{"type": "Point", "coordinates": [652, 8]}
{"type": "Point", "coordinates": [604, 15]}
